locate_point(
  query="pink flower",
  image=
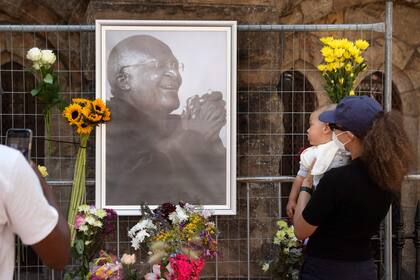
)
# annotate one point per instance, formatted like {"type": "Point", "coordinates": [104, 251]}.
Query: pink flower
{"type": "Point", "coordinates": [80, 220]}
{"type": "Point", "coordinates": [155, 275]}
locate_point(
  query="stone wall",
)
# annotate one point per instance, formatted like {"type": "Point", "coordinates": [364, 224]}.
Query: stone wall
{"type": "Point", "coordinates": [263, 58]}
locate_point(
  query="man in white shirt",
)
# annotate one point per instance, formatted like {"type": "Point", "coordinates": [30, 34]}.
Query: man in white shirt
{"type": "Point", "coordinates": [28, 209]}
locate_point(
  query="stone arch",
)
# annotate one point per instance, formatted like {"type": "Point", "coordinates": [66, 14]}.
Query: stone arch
{"type": "Point", "coordinates": [16, 84]}
{"type": "Point", "coordinates": [298, 100]}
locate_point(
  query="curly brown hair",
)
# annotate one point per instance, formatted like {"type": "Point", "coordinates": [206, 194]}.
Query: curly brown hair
{"type": "Point", "coordinates": [388, 153]}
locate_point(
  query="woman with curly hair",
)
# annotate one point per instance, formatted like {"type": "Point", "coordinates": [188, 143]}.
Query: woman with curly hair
{"type": "Point", "coordinates": [345, 211]}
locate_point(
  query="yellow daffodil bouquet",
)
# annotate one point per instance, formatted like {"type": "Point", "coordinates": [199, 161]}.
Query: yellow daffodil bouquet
{"type": "Point", "coordinates": [343, 62]}
{"type": "Point", "coordinates": [83, 115]}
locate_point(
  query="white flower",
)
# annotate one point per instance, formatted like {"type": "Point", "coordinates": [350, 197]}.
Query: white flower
{"type": "Point", "coordinates": [265, 267]}
{"type": "Point", "coordinates": [189, 207]}
{"type": "Point", "coordinates": [97, 224]}
{"type": "Point", "coordinates": [100, 213]}
{"type": "Point", "coordinates": [87, 242]}
{"type": "Point", "coordinates": [139, 238]}
{"type": "Point", "coordinates": [206, 213]}
{"type": "Point", "coordinates": [135, 243]}
{"type": "Point", "coordinates": [48, 57]}
{"type": "Point", "coordinates": [141, 235]}
{"type": "Point", "coordinates": [83, 228]}
{"type": "Point", "coordinates": [84, 208]}
{"type": "Point", "coordinates": [90, 220]}
{"type": "Point", "coordinates": [181, 215]}
{"type": "Point", "coordinates": [173, 217]}
{"type": "Point", "coordinates": [36, 66]}
{"type": "Point", "coordinates": [128, 259]}
{"type": "Point", "coordinates": [34, 54]}
{"type": "Point", "coordinates": [143, 224]}
{"type": "Point", "coordinates": [92, 210]}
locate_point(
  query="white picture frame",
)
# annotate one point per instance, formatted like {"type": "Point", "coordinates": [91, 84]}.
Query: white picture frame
{"type": "Point", "coordinates": [173, 158]}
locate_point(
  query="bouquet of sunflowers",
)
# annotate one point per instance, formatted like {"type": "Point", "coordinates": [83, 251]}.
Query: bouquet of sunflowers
{"type": "Point", "coordinates": [83, 115]}
{"type": "Point", "coordinates": [343, 62]}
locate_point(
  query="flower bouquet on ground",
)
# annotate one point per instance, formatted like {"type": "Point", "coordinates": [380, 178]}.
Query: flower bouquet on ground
{"type": "Point", "coordinates": [343, 62]}
{"type": "Point", "coordinates": [83, 115]}
{"type": "Point", "coordinates": [47, 88]}
{"type": "Point", "coordinates": [106, 266]}
{"type": "Point", "coordinates": [92, 226]}
{"type": "Point", "coordinates": [288, 257]}
{"type": "Point", "coordinates": [179, 239]}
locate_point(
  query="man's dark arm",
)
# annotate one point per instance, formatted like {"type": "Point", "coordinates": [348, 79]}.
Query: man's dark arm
{"type": "Point", "coordinates": [54, 250]}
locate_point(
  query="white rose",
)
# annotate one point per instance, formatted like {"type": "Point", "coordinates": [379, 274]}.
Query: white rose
{"type": "Point", "coordinates": [48, 57]}
{"type": "Point", "coordinates": [34, 54]}
{"type": "Point", "coordinates": [128, 259]}
{"type": "Point", "coordinates": [36, 66]}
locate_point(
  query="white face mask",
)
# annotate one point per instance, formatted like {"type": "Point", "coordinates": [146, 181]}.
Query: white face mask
{"type": "Point", "coordinates": [341, 146]}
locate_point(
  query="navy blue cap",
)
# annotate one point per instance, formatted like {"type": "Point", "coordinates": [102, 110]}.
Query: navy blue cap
{"type": "Point", "coordinates": [354, 113]}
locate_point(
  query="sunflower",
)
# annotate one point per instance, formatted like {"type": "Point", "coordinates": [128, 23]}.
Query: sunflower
{"type": "Point", "coordinates": [107, 115]}
{"type": "Point", "coordinates": [84, 128]}
{"type": "Point", "coordinates": [94, 118]}
{"type": "Point", "coordinates": [81, 101]}
{"type": "Point", "coordinates": [73, 113]}
{"type": "Point", "coordinates": [99, 106]}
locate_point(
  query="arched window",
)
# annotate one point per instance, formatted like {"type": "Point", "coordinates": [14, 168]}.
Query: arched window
{"type": "Point", "coordinates": [374, 86]}
{"type": "Point", "coordinates": [299, 100]}
{"type": "Point", "coordinates": [18, 108]}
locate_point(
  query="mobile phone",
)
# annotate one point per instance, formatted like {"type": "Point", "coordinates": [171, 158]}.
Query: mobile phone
{"type": "Point", "coordinates": [20, 139]}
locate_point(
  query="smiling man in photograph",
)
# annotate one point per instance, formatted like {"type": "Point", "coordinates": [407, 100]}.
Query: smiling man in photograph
{"type": "Point", "coordinates": [152, 155]}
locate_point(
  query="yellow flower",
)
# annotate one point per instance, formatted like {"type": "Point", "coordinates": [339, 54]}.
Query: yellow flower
{"type": "Point", "coordinates": [73, 113]}
{"type": "Point", "coordinates": [99, 106]}
{"type": "Point", "coordinates": [346, 55]}
{"type": "Point", "coordinates": [341, 81]}
{"type": "Point", "coordinates": [354, 51]}
{"type": "Point", "coordinates": [84, 128]}
{"type": "Point", "coordinates": [42, 170]}
{"type": "Point", "coordinates": [352, 93]}
{"type": "Point", "coordinates": [107, 115]}
{"type": "Point", "coordinates": [327, 40]}
{"type": "Point", "coordinates": [94, 118]}
{"type": "Point", "coordinates": [281, 224]}
{"type": "Point", "coordinates": [348, 67]}
{"type": "Point", "coordinates": [339, 52]}
{"type": "Point", "coordinates": [362, 44]}
{"type": "Point", "coordinates": [81, 101]}
{"type": "Point", "coordinates": [327, 51]}
{"type": "Point", "coordinates": [359, 59]}
{"type": "Point", "coordinates": [329, 59]}
{"type": "Point", "coordinates": [322, 67]}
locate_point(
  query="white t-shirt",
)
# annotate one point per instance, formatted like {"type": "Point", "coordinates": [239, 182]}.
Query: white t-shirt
{"type": "Point", "coordinates": [23, 208]}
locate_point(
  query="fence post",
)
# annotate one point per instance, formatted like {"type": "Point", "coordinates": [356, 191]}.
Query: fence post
{"type": "Point", "coordinates": [417, 240]}
{"type": "Point", "coordinates": [400, 240]}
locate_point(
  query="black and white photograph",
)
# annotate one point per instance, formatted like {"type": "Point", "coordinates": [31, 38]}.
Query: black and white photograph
{"type": "Point", "coordinates": [170, 86]}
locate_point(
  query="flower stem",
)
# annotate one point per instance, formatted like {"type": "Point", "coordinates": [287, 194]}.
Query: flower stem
{"type": "Point", "coordinates": [78, 192]}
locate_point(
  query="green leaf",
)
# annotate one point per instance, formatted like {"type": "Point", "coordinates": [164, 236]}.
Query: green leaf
{"type": "Point", "coordinates": [35, 91]}
{"type": "Point", "coordinates": [49, 79]}
{"type": "Point", "coordinates": [80, 246]}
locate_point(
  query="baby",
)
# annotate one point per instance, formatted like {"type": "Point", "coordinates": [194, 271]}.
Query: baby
{"type": "Point", "coordinates": [324, 154]}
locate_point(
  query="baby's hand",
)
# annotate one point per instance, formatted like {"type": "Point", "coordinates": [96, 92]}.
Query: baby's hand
{"type": "Point", "coordinates": [290, 208]}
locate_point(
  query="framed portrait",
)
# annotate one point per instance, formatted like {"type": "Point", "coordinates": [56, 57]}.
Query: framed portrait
{"type": "Point", "coordinates": [171, 89]}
